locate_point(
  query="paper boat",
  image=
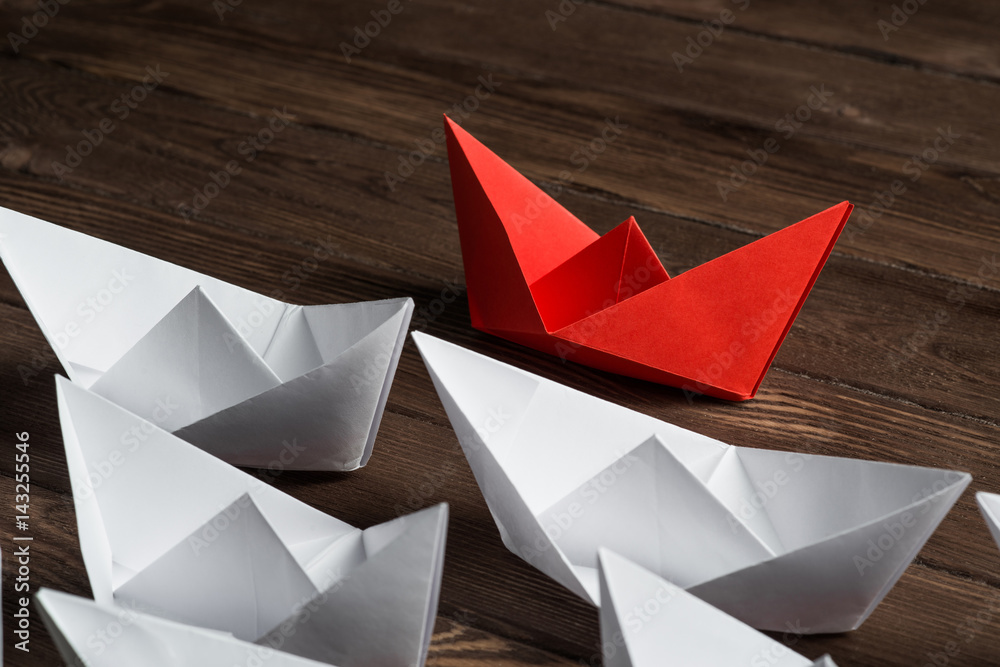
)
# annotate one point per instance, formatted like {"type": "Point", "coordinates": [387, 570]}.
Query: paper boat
{"type": "Point", "coordinates": [88, 633]}
{"type": "Point", "coordinates": [170, 530]}
{"type": "Point", "coordinates": [242, 375]}
{"type": "Point", "coordinates": [989, 506]}
{"type": "Point", "coordinates": [768, 537]}
{"type": "Point", "coordinates": [647, 621]}
{"type": "Point", "coordinates": [538, 276]}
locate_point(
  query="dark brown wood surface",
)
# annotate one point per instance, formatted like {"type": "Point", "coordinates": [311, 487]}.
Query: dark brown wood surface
{"type": "Point", "coordinates": [864, 372]}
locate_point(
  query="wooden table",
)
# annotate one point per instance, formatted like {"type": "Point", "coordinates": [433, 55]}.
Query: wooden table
{"type": "Point", "coordinates": [893, 358]}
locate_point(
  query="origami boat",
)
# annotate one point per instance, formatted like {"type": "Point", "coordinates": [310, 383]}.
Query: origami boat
{"type": "Point", "coordinates": [768, 537]}
{"type": "Point", "coordinates": [648, 621]}
{"type": "Point", "coordinates": [538, 276]}
{"type": "Point", "coordinates": [989, 506]}
{"type": "Point", "coordinates": [170, 530]}
{"type": "Point", "coordinates": [253, 380]}
{"type": "Point", "coordinates": [97, 635]}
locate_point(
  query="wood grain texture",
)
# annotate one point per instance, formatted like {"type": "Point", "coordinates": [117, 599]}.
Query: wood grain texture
{"type": "Point", "coordinates": [949, 37]}
{"type": "Point", "coordinates": [893, 358]}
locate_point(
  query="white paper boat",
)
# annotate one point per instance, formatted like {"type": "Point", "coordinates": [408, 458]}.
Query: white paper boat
{"type": "Point", "coordinates": [768, 537]}
{"type": "Point", "coordinates": [253, 380]}
{"type": "Point", "coordinates": [646, 621]}
{"type": "Point", "coordinates": [97, 635]}
{"type": "Point", "coordinates": [989, 506]}
{"type": "Point", "coordinates": [173, 531]}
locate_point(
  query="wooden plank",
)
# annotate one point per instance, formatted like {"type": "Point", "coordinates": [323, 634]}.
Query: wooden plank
{"type": "Point", "coordinates": [953, 37]}
{"type": "Point", "coordinates": [894, 346]}
{"type": "Point", "coordinates": [634, 60]}
{"type": "Point", "coordinates": [667, 160]}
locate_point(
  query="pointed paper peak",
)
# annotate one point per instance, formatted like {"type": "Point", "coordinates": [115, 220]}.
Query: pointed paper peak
{"type": "Point", "coordinates": [496, 206]}
{"type": "Point", "coordinates": [989, 502]}
{"type": "Point", "coordinates": [431, 522]}
{"type": "Point", "coordinates": [450, 126]}
{"type": "Point", "coordinates": [214, 590]}
{"type": "Point", "coordinates": [819, 232]}
{"type": "Point", "coordinates": [675, 627]}
{"type": "Point", "coordinates": [338, 327]}
{"type": "Point", "coordinates": [477, 385]}
{"type": "Point", "coordinates": [15, 227]}
{"type": "Point", "coordinates": [128, 467]}
{"type": "Point", "coordinates": [613, 268]}
{"type": "Point", "coordinates": [989, 506]}
{"type": "Point", "coordinates": [198, 359]}
{"type": "Point", "coordinates": [616, 569]}
{"type": "Point", "coordinates": [88, 633]}
{"type": "Point", "coordinates": [385, 607]}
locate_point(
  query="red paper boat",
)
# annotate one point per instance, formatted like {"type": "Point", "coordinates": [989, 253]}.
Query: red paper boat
{"type": "Point", "coordinates": [538, 276]}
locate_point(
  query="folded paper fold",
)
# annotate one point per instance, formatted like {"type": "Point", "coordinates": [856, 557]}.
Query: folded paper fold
{"type": "Point", "coordinates": [538, 276]}
{"type": "Point", "coordinates": [99, 635]}
{"type": "Point", "coordinates": [242, 375]}
{"type": "Point", "coordinates": [647, 620]}
{"type": "Point", "coordinates": [769, 537]}
{"type": "Point", "coordinates": [168, 529]}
